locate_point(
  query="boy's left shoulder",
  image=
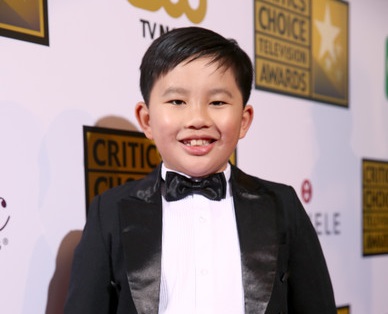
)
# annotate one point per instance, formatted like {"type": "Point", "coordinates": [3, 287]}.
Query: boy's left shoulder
{"type": "Point", "coordinates": [250, 181]}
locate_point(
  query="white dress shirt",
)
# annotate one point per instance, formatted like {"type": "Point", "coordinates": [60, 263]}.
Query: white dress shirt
{"type": "Point", "coordinates": [201, 263]}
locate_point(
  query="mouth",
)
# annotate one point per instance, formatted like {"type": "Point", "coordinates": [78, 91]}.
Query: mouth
{"type": "Point", "coordinates": [197, 142]}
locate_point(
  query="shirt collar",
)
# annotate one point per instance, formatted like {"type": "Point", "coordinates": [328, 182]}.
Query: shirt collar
{"type": "Point", "coordinates": [227, 172]}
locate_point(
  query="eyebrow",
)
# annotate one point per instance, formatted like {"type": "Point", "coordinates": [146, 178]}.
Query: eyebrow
{"type": "Point", "coordinates": [175, 90]}
{"type": "Point", "coordinates": [183, 91]}
{"type": "Point", "coordinates": [217, 91]}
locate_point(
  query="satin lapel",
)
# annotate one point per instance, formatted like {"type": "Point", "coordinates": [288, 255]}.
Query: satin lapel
{"type": "Point", "coordinates": [256, 222]}
{"type": "Point", "coordinates": [141, 227]}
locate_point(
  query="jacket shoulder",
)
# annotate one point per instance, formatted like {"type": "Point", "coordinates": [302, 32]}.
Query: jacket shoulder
{"type": "Point", "coordinates": [135, 188]}
{"type": "Point", "coordinates": [250, 182]}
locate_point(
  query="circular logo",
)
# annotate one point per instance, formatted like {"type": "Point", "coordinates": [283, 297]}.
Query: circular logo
{"type": "Point", "coordinates": [307, 191]}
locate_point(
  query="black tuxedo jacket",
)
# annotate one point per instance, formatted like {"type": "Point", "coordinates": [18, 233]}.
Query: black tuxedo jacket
{"type": "Point", "coordinates": [117, 264]}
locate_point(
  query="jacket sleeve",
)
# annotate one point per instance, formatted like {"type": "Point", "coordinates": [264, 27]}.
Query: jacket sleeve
{"type": "Point", "coordinates": [89, 289]}
{"type": "Point", "coordinates": [309, 285]}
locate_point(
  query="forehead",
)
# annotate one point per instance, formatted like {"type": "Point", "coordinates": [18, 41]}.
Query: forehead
{"type": "Point", "coordinates": [196, 69]}
{"type": "Point", "coordinates": [200, 77]}
{"type": "Point", "coordinates": [207, 61]}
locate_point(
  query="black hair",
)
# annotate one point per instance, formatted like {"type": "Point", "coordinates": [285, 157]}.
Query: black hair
{"type": "Point", "coordinates": [188, 44]}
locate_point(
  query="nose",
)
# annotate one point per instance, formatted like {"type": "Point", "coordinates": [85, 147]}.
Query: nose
{"type": "Point", "coordinates": [198, 117]}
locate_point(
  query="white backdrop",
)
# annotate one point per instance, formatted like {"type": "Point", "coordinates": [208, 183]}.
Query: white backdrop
{"type": "Point", "coordinates": [90, 72]}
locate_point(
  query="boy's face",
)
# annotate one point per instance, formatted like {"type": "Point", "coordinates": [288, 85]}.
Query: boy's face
{"type": "Point", "coordinates": [196, 117]}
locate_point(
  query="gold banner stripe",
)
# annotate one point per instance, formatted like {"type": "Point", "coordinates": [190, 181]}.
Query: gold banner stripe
{"type": "Point", "coordinates": [285, 53]}
{"type": "Point", "coordinates": [298, 7]}
{"type": "Point", "coordinates": [282, 24]}
{"type": "Point", "coordinates": [282, 78]}
{"type": "Point", "coordinates": [375, 207]}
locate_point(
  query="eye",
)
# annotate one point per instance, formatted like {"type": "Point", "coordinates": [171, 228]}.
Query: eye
{"type": "Point", "coordinates": [176, 102]}
{"type": "Point", "coordinates": [218, 103]}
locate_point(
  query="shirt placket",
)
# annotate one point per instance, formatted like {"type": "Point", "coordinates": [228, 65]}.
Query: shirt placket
{"type": "Point", "coordinates": [203, 256]}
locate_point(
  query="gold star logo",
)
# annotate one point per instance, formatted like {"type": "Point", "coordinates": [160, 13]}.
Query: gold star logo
{"type": "Point", "coordinates": [328, 33]}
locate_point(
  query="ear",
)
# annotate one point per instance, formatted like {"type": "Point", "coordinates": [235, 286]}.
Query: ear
{"type": "Point", "coordinates": [246, 120]}
{"type": "Point", "coordinates": [143, 118]}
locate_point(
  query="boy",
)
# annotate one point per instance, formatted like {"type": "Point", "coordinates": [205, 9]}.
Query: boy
{"type": "Point", "coordinates": [222, 242]}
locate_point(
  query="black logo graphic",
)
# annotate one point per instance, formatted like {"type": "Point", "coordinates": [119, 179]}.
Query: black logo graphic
{"type": "Point", "coordinates": [3, 222]}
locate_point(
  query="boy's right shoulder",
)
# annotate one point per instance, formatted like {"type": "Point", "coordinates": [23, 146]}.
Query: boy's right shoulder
{"type": "Point", "coordinates": [132, 187]}
{"type": "Point", "coordinates": [105, 206]}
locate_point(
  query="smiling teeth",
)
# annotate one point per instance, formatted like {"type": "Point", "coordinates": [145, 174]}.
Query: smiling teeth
{"type": "Point", "coordinates": [197, 142]}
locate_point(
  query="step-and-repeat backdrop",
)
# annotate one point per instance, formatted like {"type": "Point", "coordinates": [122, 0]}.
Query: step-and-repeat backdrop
{"type": "Point", "coordinates": [68, 86]}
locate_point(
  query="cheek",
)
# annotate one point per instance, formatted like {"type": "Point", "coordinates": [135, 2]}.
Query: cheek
{"type": "Point", "coordinates": [230, 128]}
{"type": "Point", "coordinates": [163, 129]}
{"type": "Point", "coordinates": [161, 119]}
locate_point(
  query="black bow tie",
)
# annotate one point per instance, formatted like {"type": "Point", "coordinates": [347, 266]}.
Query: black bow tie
{"type": "Point", "coordinates": [177, 186]}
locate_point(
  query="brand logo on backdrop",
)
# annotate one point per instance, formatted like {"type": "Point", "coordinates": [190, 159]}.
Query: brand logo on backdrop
{"type": "Point", "coordinates": [174, 8]}
{"type": "Point", "coordinates": [153, 29]}
{"type": "Point", "coordinates": [307, 191]}
{"type": "Point", "coordinates": [375, 207]}
{"type": "Point", "coordinates": [25, 20]}
{"type": "Point", "coordinates": [301, 49]}
{"type": "Point", "coordinates": [325, 223]}
{"type": "Point", "coordinates": [113, 157]}
{"type": "Point", "coordinates": [4, 220]}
